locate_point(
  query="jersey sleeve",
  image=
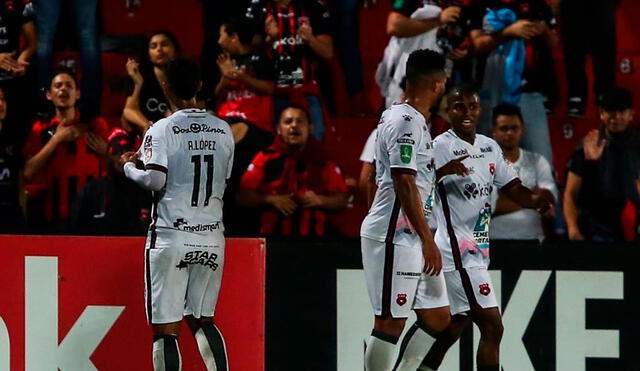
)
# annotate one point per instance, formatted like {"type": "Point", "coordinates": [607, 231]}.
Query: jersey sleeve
{"type": "Point", "coordinates": [232, 149]}
{"type": "Point", "coordinates": [404, 7]}
{"type": "Point", "coordinates": [369, 150]}
{"type": "Point", "coordinates": [254, 175]}
{"type": "Point", "coordinates": [154, 148]}
{"type": "Point", "coordinates": [545, 176]}
{"type": "Point", "coordinates": [504, 173]}
{"type": "Point", "coordinates": [441, 155]}
{"type": "Point", "coordinates": [577, 162]}
{"type": "Point", "coordinates": [401, 141]}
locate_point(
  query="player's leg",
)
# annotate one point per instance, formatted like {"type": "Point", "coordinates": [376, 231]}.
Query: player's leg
{"type": "Point", "coordinates": [205, 279]}
{"type": "Point", "coordinates": [165, 287]}
{"type": "Point", "coordinates": [210, 342]}
{"type": "Point", "coordinates": [392, 273]}
{"type": "Point", "coordinates": [489, 322]}
{"type": "Point", "coordinates": [166, 352]}
{"type": "Point", "coordinates": [433, 316]}
{"type": "Point", "coordinates": [486, 315]}
{"type": "Point", "coordinates": [447, 338]}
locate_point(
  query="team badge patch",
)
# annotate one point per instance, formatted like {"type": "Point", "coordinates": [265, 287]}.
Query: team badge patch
{"type": "Point", "coordinates": [485, 289]}
{"type": "Point", "coordinates": [402, 299]}
{"type": "Point", "coordinates": [405, 153]}
{"type": "Point", "coordinates": [492, 168]}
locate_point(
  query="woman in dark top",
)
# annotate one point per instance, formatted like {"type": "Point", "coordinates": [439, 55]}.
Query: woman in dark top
{"type": "Point", "coordinates": [147, 103]}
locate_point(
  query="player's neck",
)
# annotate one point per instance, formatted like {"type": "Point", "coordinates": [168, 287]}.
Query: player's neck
{"type": "Point", "coordinates": [67, 114]}
{"type": "Point", "coordinates": [180, 104]}
{"type": "Point", "coordinates": [422, 104]}
{"type": "Point", "coordinates": [469, 137]}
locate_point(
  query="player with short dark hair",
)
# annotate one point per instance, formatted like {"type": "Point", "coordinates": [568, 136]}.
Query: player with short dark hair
{"type": "Point", "coordinates": [187, 159]}
{"type": "Point", "coordinates": [401, 262]}
{"type": "Point", "coordinates": [468, 166]}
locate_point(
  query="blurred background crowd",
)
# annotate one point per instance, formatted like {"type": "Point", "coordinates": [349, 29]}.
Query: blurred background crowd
{"type": "Point", "coordinates": [302, 84]}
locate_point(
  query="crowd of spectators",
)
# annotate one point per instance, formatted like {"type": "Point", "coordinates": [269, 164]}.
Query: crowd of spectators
{"type": "Point", "coordinates": [262, 75]}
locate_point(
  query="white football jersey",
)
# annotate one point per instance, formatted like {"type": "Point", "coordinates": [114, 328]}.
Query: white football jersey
{"type": "Point", "coordinates": [403, 143]}
{"type": "Point", "coordinates": [463, 204]}
{"type": "Point", "coordinates": [195, 149]}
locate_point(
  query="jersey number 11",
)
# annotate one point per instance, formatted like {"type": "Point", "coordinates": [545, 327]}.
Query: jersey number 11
{"type": "Point", "coordinates": [197, 164]}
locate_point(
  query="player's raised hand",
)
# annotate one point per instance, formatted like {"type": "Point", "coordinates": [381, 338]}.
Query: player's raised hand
{"type": "Point", "coordinates": [282, 203]}
{"type": "Point", "coordinates": [454, 166]}
{"type": "Point", "coordinates": [593, 145]}
{"type": "Point", "coordinates": [432, 258]}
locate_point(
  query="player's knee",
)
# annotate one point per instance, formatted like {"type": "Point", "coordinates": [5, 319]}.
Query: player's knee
{"type": "Point", "coordinates": [435, 319]}
{"type": "Point", "coordinates": [492, 330]}
{"type": "Point", "coordinates": [390, 326]}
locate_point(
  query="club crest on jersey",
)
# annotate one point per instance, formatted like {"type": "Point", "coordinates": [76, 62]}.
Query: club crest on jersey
{"type": "Point", "coordinates": [148, 151]}
{"type": "Point", "coordinates": [485, 289]}
{"type": "Point", "coordinates": [492, 168]}
{"type": "Point", "coordinates": [401, 299]}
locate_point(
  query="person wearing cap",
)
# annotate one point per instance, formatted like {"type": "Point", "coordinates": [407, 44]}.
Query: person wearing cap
{"type": "Point", "coordinates": [602, 173]}
{"type": "Point", "coordinates": [112, 204]}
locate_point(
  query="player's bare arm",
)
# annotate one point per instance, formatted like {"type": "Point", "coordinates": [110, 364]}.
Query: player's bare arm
{"type": "Point", "coordinates": [409, 197]}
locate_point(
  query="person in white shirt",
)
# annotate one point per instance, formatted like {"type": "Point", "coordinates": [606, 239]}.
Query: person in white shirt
{"type": "Point", "coordinates": [469, 166]}
{"type": "Point", "coordinates": [187, 160]}
{"type": "Point", "coordinates": [366, 180]}
{"type": "Point", "coordinates": [401, 261]}
{"type": "Point", "coordinates": [510, 221]}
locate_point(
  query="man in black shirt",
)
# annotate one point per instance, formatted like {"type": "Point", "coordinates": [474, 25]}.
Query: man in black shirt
{"type": "Point", "coordinates": [11, 220]}
{"type": "Point", "coordinates": [603, 172]}
{"type": "Point", "coordinates": [16, 21]}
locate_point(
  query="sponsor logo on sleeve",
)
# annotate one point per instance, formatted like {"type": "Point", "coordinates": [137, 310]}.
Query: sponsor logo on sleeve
{"type": "Point", "coordinates": [406, 151]}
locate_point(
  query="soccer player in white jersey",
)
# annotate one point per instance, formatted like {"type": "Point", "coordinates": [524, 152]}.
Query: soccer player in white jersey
{"type": "Point", "coordinates": [397, 245]}
{"type": "Point", "coordinates": [468, 166]}
{"type": "Point", "coordinates": [187, 159]}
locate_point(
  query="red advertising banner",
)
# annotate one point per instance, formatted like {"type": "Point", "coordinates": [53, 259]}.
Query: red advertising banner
{"type": "Point", "coordinates": [77, 303]}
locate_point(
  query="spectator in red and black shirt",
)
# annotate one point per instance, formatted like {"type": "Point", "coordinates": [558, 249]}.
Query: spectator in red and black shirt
{"type": "Point", "coordinates": [63, 154]}
{"type": "Point", "coordinates": [298, 33]}
{"type": "Point", "coordinates": [293, 181]}
{"type": "Point", "coordinates": [246, 103]}
{"type": "Point", "coordinates": [112, 205]}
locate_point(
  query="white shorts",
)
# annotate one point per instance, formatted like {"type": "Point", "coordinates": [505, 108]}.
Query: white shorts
{"type": "Point", "coordinates": [394, 274]}
{"type": "Point", "coordinates": [181, 280]}
{"type": "Point", "coordinates": [470, 287]}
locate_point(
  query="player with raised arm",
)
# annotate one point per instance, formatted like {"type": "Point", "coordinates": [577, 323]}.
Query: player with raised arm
{"type": "Point", "coordinates": [397, 245]}
{"type": "Point", "coordinates": [468, 166]}
{"type": "Point", "coordinates": [187, 159]}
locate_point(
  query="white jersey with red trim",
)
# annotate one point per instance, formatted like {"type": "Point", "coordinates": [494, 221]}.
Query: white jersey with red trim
{"type": "Point", "coordinates": [403, 143]}
{"type": "Point", "coordinates": [195, 149]}
{"type": "Point", "coordinates": [463, 204]}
